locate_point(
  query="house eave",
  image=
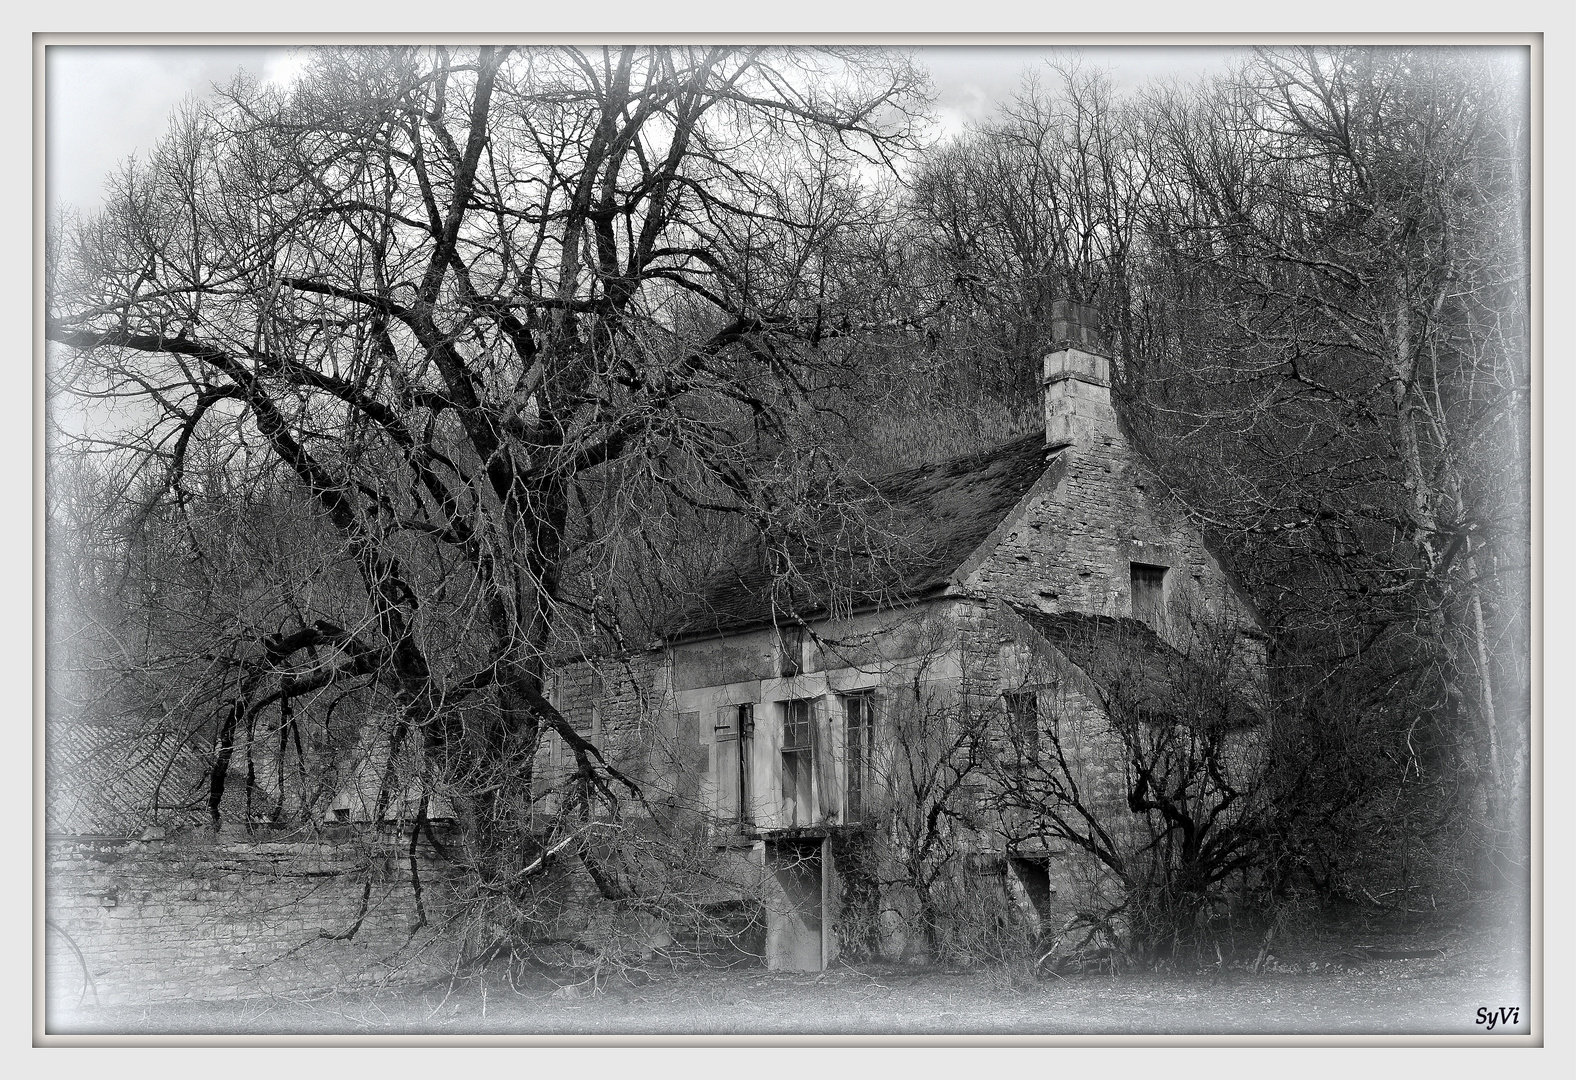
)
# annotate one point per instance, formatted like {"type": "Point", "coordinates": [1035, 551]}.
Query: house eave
{"type": "Point", "coordinates": [805, 832]}
{"type": "Point", "coordinates": [936, 591]}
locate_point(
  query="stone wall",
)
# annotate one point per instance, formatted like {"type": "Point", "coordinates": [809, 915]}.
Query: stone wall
{"type": "Point", "coordinates": [1072, 546]}
{"type": "Point", "coordinates": [617, 702]}
{"type": "Point", "coordinates": [198, 918]}
{"type": "Point", "coordinates": [1068, 547]}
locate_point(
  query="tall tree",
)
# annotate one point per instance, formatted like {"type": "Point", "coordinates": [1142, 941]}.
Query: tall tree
{"type": "Point", "coordinates": [1036, 205]}
{"type": "Point", "coordinates": [1347, 228]}
{"type": "Point", "coordinates": [1313, 271]}
{"type": "Point", "coordinates": [451, 311]}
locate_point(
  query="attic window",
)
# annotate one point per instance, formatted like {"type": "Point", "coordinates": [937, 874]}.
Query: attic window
{"type": "Point", "coordinates": [1149, 589]}
{"type": "Point", "coordinates": [790, 651]}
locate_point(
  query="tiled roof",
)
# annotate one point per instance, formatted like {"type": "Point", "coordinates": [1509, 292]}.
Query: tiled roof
{"type": "Point", "coordinates": [902, 537]}
{"type": "Point", "coordinates": [1138, 673]}
{"type": "Point", "coordinates": [108, 779]}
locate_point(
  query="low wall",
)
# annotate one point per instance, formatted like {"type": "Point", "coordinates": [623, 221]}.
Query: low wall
{"type": "Point", "coordinates": [160, 920]}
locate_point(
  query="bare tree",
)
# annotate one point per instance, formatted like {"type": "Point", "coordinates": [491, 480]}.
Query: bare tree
{"type": "Point", "coordinates": [1142, 768]}
{"type": "Point", "coordinates": [1039, 204]}
{"type": "Point", "coordinates": [1346, 226]}
{"type": "Point", "coordinates": [1314, 273]}
{"type": "Point", "coordinates": [450, 321]}
{"type": "Point", "coordinates": [904, 876]}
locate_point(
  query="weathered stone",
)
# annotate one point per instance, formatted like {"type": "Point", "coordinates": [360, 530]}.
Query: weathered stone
{"type": "Point", "coordinates": [184, 926]}
{"type": "Point", "coordinates": [1070, 544]}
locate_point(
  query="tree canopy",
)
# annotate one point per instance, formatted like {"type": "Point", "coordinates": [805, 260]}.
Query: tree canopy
{"type": "Point", "coordinates": [464, 327]}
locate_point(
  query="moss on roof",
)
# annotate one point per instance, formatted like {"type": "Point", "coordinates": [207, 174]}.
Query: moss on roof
{"type": "Point", "coordinates": [896, 538]}
{"type": "Point", "coordinates": [1139, 674]}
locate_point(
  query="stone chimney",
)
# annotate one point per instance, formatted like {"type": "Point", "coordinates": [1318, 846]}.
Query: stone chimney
{"type": "Point", "coordinates": [1077, 379]}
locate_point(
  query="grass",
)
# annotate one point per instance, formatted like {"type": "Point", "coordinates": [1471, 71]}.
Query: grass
{"type": "Point", "coordinates": [1328, 985]}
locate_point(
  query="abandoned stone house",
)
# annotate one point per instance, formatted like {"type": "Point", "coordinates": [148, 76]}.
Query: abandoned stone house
{"type": "Point", "coordinates": [1028, 579]}
{"type": "Point", "coordinates": [1020, 590]}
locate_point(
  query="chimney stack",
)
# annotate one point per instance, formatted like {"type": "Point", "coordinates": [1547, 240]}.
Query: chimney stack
{"type": "Point", "coordinates": [1077, 379]}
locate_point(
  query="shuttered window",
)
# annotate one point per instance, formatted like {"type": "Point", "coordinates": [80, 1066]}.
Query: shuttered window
{"type": "Point", "coordinates": [798, 762]}
{"type": "Point", "coordinates": [858, 725]}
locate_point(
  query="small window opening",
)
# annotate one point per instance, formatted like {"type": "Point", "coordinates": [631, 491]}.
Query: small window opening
{"type": "Point", "coordinates": [1033, 875]}
{"type": "Point", "coordinates": [1149, 587]}
{"type": "Point", "coordinates": [791, 649]}
{"type": "Point", "coordinates": [1023, 723]}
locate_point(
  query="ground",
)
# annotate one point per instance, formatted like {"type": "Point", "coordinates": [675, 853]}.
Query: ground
{"type": "Point", "coordinates": [1324, 986]}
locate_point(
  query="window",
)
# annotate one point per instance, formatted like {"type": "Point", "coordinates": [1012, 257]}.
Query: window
{"type": "Point", "coordinates": [1023, 724]}
{"type": "Point", "coordinates": [732, 739]}
{"type": "Point", "coordinates": [1149, 589]}
{"type": "Point", "coordinates": [555, 768]}
{"type": "Point", "coordinates": [790, 642]}
{"type": "Point", "coordinates": [798, 756]}
{"type": "Point", "coordinates": [858, 726]}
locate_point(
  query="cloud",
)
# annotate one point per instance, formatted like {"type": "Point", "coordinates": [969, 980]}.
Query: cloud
{"type": "Point", "coordinates": [106, 103]}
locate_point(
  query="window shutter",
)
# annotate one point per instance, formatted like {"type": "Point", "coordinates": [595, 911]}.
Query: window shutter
{"type": "Point", "coordinates": [686, 785]}
{"type": "Point", "coordinates": [768, 767]}
{"type": "Point", "coordinates": [725, 770]}
{"type": "Point", "coordinates": [829, 793]}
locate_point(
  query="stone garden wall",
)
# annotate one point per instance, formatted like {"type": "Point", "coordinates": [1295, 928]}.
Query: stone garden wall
{"type": "Point", "coordinates": [157, 920]}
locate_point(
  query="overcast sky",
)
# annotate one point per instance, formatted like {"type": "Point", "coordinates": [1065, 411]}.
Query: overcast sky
{"type": "Point", "coordinates": [105, 103]}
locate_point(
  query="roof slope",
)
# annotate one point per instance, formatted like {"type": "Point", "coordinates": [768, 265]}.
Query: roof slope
{"type": "Point", "coordinates": [106, 779]}
{"type": "Point", "coordinates": [900, 537]}
{"type": "Point", "coordinates": [1138, 673]}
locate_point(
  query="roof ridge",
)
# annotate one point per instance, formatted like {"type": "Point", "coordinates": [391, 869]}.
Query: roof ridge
{"type": "Point", "coordinates": [974, 456]}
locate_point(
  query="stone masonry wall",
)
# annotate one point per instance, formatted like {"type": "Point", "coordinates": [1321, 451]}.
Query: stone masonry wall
{"type": "Point", "coordinates": [1074, 544]}
{"type": "Point", "coordinates": [1000, 652]}
{"type": "Point", "coordinates": [195, 918]}
{"type": "Point", "coordinates": [613, 701]}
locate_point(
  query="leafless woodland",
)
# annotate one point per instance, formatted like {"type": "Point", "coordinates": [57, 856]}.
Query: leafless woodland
{"type": "Point", "coordinates": [376, 395]}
